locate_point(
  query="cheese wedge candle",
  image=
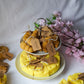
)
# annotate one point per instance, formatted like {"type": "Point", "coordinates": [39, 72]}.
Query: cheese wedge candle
{"type": "Point", "coordinates": [39, 66]}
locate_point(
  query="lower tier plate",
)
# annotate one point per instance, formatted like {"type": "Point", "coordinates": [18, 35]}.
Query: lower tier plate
{"type": "Point", "coordinates": [18, 66]}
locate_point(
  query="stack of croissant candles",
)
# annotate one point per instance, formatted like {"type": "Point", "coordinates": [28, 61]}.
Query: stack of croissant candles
{"type": "Point", "coordinates": [37, 40]}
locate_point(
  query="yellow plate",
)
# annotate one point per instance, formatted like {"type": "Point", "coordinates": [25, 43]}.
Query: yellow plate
{"type": "Point", "coordinates": [18, 66]}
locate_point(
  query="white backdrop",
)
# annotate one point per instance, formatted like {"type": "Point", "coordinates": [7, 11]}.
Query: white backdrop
{"type": "Point", "coordinates": [16, 15]}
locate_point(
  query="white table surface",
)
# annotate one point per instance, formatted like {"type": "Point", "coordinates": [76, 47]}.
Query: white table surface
{"type": "Point", "coordinates": [16, 15]}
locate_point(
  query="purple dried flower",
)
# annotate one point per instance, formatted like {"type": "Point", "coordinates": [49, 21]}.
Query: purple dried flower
{"type": "Point", "coordinates": [76, 54]}
{"type": "Point", "coordinates": [65, 29]}
{"type": "Point", "coordinates": [55, 13]}
{"type": "Point", "coordinates": [42, 22]}
{"type": "Point", "coordinates": [68, 50]}
{"type": "Point", "coordinates": [70, 41]}
{"type": "Point", "coordinates": [78, 40]}
{"type": "Point", "coordinates": [83, 47]}
{"type": "Point", "coordinates": [75, 31]}
{"type": "Point", "coordinates": [62, 24]}
{"type": "Point", "coordinates": [51, 25]}
{"type": "Point", "coordinates": [82, 38]}
{"type": "Point", "coordinates": [69, 23]}
{"type": "Point", "coordinates": [74, 49]}
{"type": "Point", "coordinates": [81, 53]}
{"type": "Point", "coordinates": [58, 18]}
{"type": "Point", "coordinates": [69, 33]}
{"type": "Point", "coordinates": [76, 45]}
{"type": "Point", "coordinates": [76, 35]}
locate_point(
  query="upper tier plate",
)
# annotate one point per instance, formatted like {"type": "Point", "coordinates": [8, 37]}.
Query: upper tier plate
{"type": "Point", "coordinates": [42, 52]}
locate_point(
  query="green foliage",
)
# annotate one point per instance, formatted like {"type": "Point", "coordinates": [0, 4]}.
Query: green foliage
{"type": "Point", "coordinates": [48, 21]}
{"type": "Point", "coordinates": [36, 25]}
{"type": "Point", "coordinates": [54, 17]}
